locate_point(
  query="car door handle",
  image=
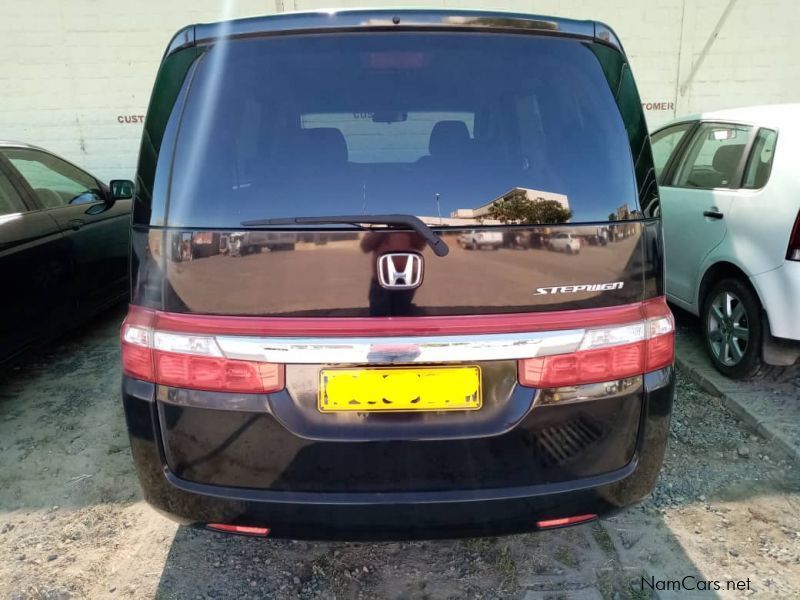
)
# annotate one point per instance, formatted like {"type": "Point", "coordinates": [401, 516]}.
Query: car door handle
{"type": "Point", "coordinates": [712, 214]}
{"type": "Point", "coordinates": [75, 224]}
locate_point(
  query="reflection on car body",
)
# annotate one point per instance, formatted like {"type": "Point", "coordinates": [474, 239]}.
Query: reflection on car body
{"type": "Point", "coordinates": [481, 240]}
{"type": "Point", "coordinates": [564, 242]}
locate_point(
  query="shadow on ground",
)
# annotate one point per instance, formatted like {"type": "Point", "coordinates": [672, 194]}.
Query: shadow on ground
{"type": "Point", "coordinates": [581, 560]}
{"type": "Point", "coordinates": [62, 432]}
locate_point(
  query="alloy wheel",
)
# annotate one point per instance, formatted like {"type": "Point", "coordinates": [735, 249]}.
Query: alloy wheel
{"type": "Point", "coordinates": [728, 328]}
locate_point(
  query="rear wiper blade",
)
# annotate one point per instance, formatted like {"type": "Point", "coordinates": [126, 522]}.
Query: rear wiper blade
{"type": "Point", "coordinates": [436, 243]}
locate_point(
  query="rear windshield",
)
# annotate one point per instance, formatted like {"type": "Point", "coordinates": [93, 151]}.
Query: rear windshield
{"type": "Point", "coordinates": [445, 126]}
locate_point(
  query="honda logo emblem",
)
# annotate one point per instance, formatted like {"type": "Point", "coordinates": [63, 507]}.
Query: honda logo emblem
{"type": "Point", "coordinates": [400, 271]}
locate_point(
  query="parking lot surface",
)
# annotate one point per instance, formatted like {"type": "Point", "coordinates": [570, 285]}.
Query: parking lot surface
{"type": "Point", "coordinates": [73, 525]}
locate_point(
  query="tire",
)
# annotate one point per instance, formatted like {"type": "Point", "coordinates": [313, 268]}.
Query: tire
{"type": "Point", "coordinates": [731, 322]}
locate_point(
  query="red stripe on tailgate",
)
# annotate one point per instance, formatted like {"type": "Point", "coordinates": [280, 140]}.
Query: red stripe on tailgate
{"type": "Point", "coordinates": [383, 326]}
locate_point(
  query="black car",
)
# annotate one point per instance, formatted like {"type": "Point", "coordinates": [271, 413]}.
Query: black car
{"type": "Point", "coordinates": [374, 379]}
{"type": "Point", "coordinates": [63, 245]}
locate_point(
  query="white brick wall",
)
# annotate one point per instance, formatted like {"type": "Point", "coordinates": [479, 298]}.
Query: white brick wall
{"type": "Point", "coordinates": [71, 71]}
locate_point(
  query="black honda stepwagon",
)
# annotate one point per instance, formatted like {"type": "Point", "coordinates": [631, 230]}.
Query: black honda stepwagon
{"type": "Point", "coordinates": [396, 274]}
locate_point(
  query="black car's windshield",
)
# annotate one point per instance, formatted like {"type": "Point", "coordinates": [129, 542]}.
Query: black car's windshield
{"type": "Point", "coordinates": [437, 125]}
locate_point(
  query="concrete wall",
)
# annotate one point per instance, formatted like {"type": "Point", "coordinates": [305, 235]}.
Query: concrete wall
{"type": "Point", "coordinates": [76, 76]}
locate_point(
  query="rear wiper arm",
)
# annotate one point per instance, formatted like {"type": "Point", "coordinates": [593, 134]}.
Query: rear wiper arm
{"type": "Point", "coordinates": [436, 243]}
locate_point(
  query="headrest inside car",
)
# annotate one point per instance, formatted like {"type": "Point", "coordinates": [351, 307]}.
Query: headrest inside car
{"type": "Point", "coordinates": [326, 144]}
{"type": "Point", "coordinates": [726, 159]}
{"type": "Point", "coordinates": [448, 138]}
{"type": "Point", "coordinates": [315, 146]}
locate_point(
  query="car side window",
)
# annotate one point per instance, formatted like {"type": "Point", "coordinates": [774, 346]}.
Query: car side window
{"type": "Point", "coordinates": [10, 200]}
{"type": "Point", "coordinates": [759, 164]}
{"type": "Point", "coordinates": [713, 157]}
{"type": "Point", "coordinates": [664, 143]}
{"type": "Point", "coordinates": [54, 181]}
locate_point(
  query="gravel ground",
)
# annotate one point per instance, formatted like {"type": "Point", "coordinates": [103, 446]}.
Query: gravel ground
{"type": "Point", "coordinates": [72, 523]}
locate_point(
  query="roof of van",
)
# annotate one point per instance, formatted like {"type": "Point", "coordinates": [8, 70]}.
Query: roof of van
{"type": "Point", "coordinates": [768, 115]}
{"type": "Point", "coordinates": [388, 19]}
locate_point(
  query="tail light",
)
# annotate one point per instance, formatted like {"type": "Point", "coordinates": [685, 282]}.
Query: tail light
{"type": "Point", "coordinates": [608, 353]}
{"type": "Point", "coordinates": [793, 251]}
{"type": "Point", "coordinates": [188, 360]}
{"type": "Point", "coordinates": [186, 354]}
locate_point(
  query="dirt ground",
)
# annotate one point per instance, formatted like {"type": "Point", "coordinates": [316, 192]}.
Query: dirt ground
{"type": "Point", "coordinates": [73, 525]}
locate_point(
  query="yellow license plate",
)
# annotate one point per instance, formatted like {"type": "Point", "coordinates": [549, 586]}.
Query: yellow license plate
{"type": "Point", "coordinates": [400, 389]}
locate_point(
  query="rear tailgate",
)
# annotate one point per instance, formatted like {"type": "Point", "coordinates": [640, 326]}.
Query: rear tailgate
{"type": "Point", "coordinates": [377, 123]}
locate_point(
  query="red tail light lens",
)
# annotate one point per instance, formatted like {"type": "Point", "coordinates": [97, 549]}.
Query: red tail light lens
{"type": "Point", "coordinates": [660, 352]}
{"type": "Point", "coordinates": [660, 342]}
{"type": "Point", "coordinates": [793, 251]}
{"type": "Point", "coordinates": [136, 337]}
{"type": "Point", "coordinates": [583, 367]}
{"type": "Point", "coordinates": [189, 361]}
{"type": "Point", "coordinates": [217, 374]}
{"type": "Point", "coordinates": [137, 362]}
{"type": "Point", "coordinates": [608, 353]}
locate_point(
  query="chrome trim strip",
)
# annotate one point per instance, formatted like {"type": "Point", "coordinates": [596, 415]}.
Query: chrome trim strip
{"type": "Point", "coordinates": [589, 392]}
{"type": "Point", "coordinates": [401, 350]}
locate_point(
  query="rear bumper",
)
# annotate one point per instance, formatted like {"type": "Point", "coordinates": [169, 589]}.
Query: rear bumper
{"type": "Point", "coordinates": [779, 291]}
{"type": "Point", "coordinates": [402, 514]}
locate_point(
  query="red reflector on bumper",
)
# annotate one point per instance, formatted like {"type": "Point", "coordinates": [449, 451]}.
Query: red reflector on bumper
{"type": "Point", "coordinates": [240, 529]}
{"type": "Point", "coordinates": [551, 523]}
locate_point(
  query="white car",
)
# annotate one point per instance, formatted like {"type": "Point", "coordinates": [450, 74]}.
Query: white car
{"type": "Point", "coordinates": [565, 242]}
{"type": "Point", "coordinates": [474, 240]}
{"type": "Point", "coordinates": [730, 202]}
